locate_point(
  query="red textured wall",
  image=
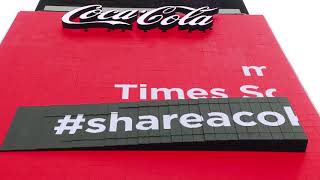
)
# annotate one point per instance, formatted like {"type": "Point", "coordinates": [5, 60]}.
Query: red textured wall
{"type": "Point", "coordinates": [43, 64]}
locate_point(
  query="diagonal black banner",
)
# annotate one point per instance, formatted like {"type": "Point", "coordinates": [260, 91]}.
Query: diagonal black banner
{"type": "Point", "coordinates": [255, 124]}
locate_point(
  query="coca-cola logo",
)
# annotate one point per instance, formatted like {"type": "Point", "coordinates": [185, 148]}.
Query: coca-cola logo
{"type": "Point", "coordinates": [164, 18]}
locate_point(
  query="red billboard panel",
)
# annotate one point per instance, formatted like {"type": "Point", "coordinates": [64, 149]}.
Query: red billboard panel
{"type": "Point", "coordinates": [43, 64]}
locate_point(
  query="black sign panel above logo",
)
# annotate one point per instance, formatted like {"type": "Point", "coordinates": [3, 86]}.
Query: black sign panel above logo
{"type": "Point", "coordinates": [255, 124]}
{"type": "Point", "coordinates": [58, 5]}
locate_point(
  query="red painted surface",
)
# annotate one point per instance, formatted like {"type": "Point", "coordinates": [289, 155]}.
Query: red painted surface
{"type": "Point", "coordinates": [43, 64]}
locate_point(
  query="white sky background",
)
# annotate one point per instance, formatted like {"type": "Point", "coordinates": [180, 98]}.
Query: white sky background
{"type": "Point", "coordinates": [295, 23]}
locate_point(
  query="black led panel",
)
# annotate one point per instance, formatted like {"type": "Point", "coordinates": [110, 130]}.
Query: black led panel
{"type": "Point", "coordinates": [222, 4]}
{"type": "Point", "coordinates": [255, 124]}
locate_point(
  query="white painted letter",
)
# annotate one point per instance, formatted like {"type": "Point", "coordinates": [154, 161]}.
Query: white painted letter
{"type": "Point", "coordinates": [258, 70]}
{"type": "Point", "coordinates": [167, 93]}
{"type": "Point", "coordinates": [262, 118]}
{"type": "Point", "coordinates": [167, 120]}
{"type": "Point", "coordinates": [125, 89]}
{"type": "Point", "coordinates": [237, 116]}
{"type": "Point", "coordinates": [196, 93]}
{"type": "Point", "coordinates": [245, 88]}
{"type": "Point", "coordinates": [222, 118]}
{"type": "Point", "coordinates": [115, 119]}
{"type": "Point", "coordinates": [98, 127]}
{"type": "Point", "coordinates": [218, 93]}
{"type": "Point", "coordinates": [143, 91]}
{"type": "Point", "coordinates": [269, 92]}
{"type": "Point", "coordinates": [191, 120]}
{"type": "Point", "coordinates": [292, 118]}
{"type": "Point", "coordinates": [152, 123]}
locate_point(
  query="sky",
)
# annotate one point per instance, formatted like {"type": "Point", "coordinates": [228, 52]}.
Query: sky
{"type": "Point", "coordinates": [296, 25]}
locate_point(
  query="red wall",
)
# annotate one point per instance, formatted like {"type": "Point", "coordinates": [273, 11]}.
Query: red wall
{"type": "Point", "coordinates": [43, 64]}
